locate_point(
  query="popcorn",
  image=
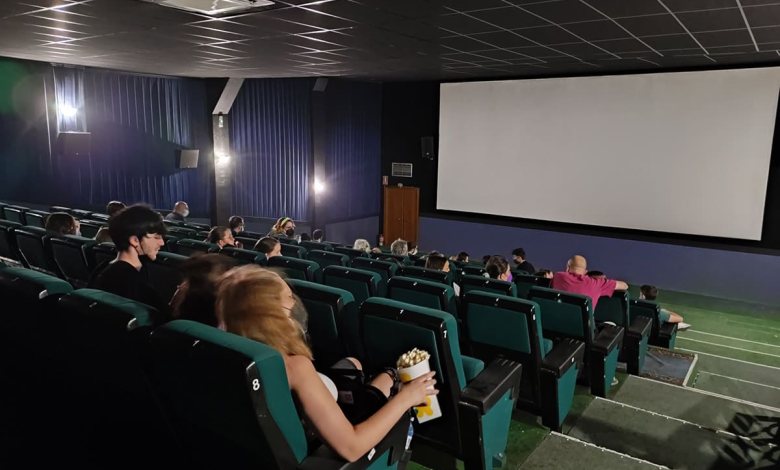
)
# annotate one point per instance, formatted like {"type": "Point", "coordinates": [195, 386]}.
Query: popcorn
{"type": "Point", "coordinates": [411, 358]}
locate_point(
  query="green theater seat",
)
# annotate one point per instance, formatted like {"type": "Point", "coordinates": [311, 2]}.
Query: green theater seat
{"type": "Point", "coordinates": [637, 331]}
{"type": "Point", "coordinates": [243, 256]}
{"type": "Point", "coordinates": [486, 284]}
{"type": "Point", "coordinates": [293, 251]}
{"type": "Point", "coordinates": [232, 405]}
{"type": "Point", "coordinates": [69, 254]}
{"type": "Point", "coordinates": [90, 228]}
{"type": "Point", "coordinates": [190, 247]}
{"type": "Point", "coordinates": [525, 282]}
{"type": "Point", "coordinates": [100, 254]}
{"type": "Point", "coordinates": [328, 258]}
{"type": "Point", "coordinates": [361, 283]}
{"type": "Point", "coordinates": [8, 247]}
{"type": "Point", "coordinates": [352, 253]}
{"type": "Point", "coordinates": [332, 322]}
{"type": "Point", "coordinates": [33, 245]}
{"type": "Point", "coordinates": [164, 273]}
{"type": "Point", "coordinates": [423, 293]}
{"type": "Point", "coordinates": [662, 334]}
{"type": "Point", "coordinates": [499, 325]}
{"type": "Point", "coordinates": [295, 268]}
{"type": "Point", "coordinates": [35, 218]}
{"type": "Point", "coordinates": [476, 411]}
{"type": "Point", "coordinates": [427, 274]}
{"type": "Point", "coordinates": [386, 270]}
{"type": "Point", "coordinates": [566, 315]}
{"type": "Point", "coordinates": [311, 245]}
{"type": "Point", "coordinates": [15, 214]}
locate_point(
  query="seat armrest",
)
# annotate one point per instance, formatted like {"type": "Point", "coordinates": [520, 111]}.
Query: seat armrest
{"type": "Point", "coordinates": [667, 329]}
{"type": "Point", "coordinates": [325, 458]}
{"type": "Point", "coordinates": [564, 355]}
{"type": "Point", "coordinates": [641, 326]}
{"type": "Point", "coordinates": [472, 367]}
{"type": "Point", "coordinates": [608, 338]}
{"type": "Point", "coordinates": [491, 384]}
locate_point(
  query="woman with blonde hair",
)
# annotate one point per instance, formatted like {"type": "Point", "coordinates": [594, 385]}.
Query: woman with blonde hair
{"type": "Point", "coordinates": [257, 303]}
{"type": "Point", "coordinates": [284, 227]}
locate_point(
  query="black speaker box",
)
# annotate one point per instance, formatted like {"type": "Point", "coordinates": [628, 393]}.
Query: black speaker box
{"type": "Point", "coordinates": [187, 158]}
{"type": "Point", "coordinates": [427, 148]}
{"type": "Point", "coordinates": [74, 144]}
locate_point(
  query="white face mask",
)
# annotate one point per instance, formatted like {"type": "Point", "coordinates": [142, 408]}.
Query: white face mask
{"type": "Point", "coordinates": [186, 213]}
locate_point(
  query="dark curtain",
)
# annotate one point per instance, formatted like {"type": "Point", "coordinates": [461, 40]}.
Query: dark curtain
{"type": "Point", "coordinates": [353, 149]}
{"type": "Point", "coordinates": [138, 123]}
{"type": "Point", "coordinates": [271, 141]}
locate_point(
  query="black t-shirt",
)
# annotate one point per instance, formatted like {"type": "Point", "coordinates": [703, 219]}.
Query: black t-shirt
{"type": "Point", "coordinates": [121, 278]}
{"type": "Point", "coordinates": [526, 266]}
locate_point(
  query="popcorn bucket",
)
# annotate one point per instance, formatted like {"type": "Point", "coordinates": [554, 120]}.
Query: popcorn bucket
{"type": "Point", "coordinates": [431, 409]}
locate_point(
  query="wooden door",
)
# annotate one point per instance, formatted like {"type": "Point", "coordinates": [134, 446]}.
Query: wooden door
{"type": "Point", "coordinates": [401, 213]}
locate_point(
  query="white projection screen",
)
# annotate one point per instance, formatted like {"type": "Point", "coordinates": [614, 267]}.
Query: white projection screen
{"type": "Point", "coordinates": [685, 153]}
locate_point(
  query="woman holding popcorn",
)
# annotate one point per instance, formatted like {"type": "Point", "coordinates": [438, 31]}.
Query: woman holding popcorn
{"type": "Point", "coordinates": [257, 303]}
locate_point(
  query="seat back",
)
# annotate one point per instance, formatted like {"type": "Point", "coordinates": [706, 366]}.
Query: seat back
{"type": "Point", "coordinates": [295, 268]}
{"type": "Point", "coordinates": [361, 283]}
{"type": "Point", "coordinates": [332, 321]}
{"type": "Point", "coordinates": [385, 269]}
{"type": "Point", "coordinates": [328, 258]}
{"type": "Point", "coordinates": [427, 274]}
{"type": "Point", "coordinates": [229, 397]}
{"type": "Point", "coordinates": [385, 256]}
{"type": "Point", "coordinates": [180, 232]}
{"type": "Point", "coordinates": [35, 218]}
{"type": "Point", "coordinates": [80, 213]}
{"type": "Point", "coordinates": [486, 284]}
{"type": "Point", "coordinates": [100, 254]}
{"type": "Point", "coordinates": [15, 214]}
{"type": "Point", "coordinates": [565, 314]}
{"type": "Point", "coordinates": [190, 247]}
{"type": "Point", "coordinates": [472, 270]}
{"type": "Point", "coordinates": [351, 252]}
{"type": "Point", "coordinates": [661, 334]}
{"type": "Point", "coordinates": [423, 293]}
{"type": "Point", "coordinates": [614, 309]}
{"type": "Point", "coordinates": [90, 228]}
{"type": "Point", "coordinates": [526, 282]}
{"type": "Point", "coordinates": [164, 273]}
{"type": "Point", "coordinates": [69, 254]}
{"type": "Point", "coordinates": [32, 243]}
{"type": "Point", "coordinates": [244, 256]}
{"type": "Point", "coordinates": [293, 251]}
{"type": "Point", "coordinates": [8, 240]}
{"type": "Point", "coordinates": [197, 226]}
{"type": "Point", "coordinates": [312, 245]}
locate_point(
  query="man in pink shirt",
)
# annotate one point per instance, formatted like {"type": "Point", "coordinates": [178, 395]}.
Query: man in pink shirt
{"type": "Point", "coordinates": [576, 281]}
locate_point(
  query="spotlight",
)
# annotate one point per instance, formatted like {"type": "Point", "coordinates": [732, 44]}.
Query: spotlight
{"type": "Point", "coordinates": [319, 186]}
{"type": "Point", "coordinates": [223, 160]}
{"type": "Point", "coordinates": [68, 111]}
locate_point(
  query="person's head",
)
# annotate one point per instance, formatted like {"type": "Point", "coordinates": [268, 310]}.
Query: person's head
{"type": "Point", "coordinates": [544, 273]}
{"type": "Point", "coordinates": [438, 262]}
{"type": "Point", "coordinates": [196, 295]}
{"type": "Point", "coordinates": [399, 247]}
{"type": "Point", "coordinates": [305, 237]}
{"type": "Point", "coordinates": [518, 255]}
{"type": "Point", "coordinates": [113, 207]}
{"type": "Point", "coordinates": [380, 240]}
{"type": "Point", "coordinates": [485, 259]}
{"type": "Point", "coordinates": [270, 246]}
{"type": "Point", "coordinates": [181, 208]}
{"type": "Point", "coordinates": [62, 224]}
{"type": "Point", "coordinates": [462, 257]}
{"type": "Point", "coordinates": [412, 248]}
{"type": "Point", "coordinates": [285, 225]}
{"type": "Point", "coordinates": [498, 268]}
{"type": "Point", "coordinates": [221, 236]}
{"type": "Point", "coordinates": [597, 275]}
{"type": "Point", "coordinates": [318, 235]}
{"type": "Point", "coordinates": [256, 303]}
{"type": "Point", "coordinates": [577, 265]}
{"type": "Point", "coordinates": [362, 245]}
{"type": "Point", "coordinates": [236, 224]}
{"type": "Point", "coordinates": [138, 229]}
{"type": "Point", "coordinates": [648, 292]}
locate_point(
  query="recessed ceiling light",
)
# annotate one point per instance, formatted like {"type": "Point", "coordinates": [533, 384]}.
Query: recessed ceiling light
{"type": "Point", "coordinates": [216, 8]}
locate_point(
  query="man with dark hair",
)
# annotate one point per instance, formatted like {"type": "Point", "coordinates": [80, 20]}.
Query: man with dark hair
{"type": "Point", "coordinates": [647, 292]}
{"type": "Point", "coordinates": [236, 224]}
{"type": "Point", "coordinates": [518, 255]}
{"type": "Point", "coordinates": [270, 246]}
{"type": "Point", "coordinates": [317, 235]}
{"type": "Point", "coordinates": [138, 233]}
{"type": "Point", "coordinates": [439, 262]}
{"type": "Point", "coordinates": [180, 212]}
{"type": "Point", "coordinates": [112, 208]}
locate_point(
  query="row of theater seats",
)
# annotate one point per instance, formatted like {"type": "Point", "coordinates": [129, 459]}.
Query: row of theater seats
{"type": "Point", "coordinates": [93, 379]}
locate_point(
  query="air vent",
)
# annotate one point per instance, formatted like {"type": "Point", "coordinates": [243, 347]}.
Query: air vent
{"type": "Point", "coordinates": [402, 170]}
{"type": "Point", "coordinates": [216, 8]}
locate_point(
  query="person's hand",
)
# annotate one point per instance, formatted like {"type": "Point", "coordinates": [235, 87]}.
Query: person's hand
{"type": "Point", "coordinates": [414, 392]}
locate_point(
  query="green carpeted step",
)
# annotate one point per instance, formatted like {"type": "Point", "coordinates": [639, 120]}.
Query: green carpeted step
{"type": "Point", "coordinates": [560, 452]}
{"type": "Point", "coordinates": [739, 388]}
{"type": "Point", "coordinates": [720, 413]}
{"type": "Point", "coordinates": [740, 370]}
{"type": "Point", "coordinates": [667, 441]}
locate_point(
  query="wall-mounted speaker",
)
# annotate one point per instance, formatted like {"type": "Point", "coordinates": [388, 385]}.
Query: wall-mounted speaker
{"type": "Point", "coordinates": [428, 148]}
{"type": "Point", "coordinates": [74, 144]}
{"type": "Point", "coordinates": [187, 158]}
{"type": "Point", "coordinates": [320, 84]}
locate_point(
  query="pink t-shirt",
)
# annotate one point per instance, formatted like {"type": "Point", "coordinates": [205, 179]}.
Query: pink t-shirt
{"type": "Point", "coordinates": [584, 285]}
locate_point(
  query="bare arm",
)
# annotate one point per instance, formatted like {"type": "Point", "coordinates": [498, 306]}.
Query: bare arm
{"type": "Point", "coordinates": [620, 285]}
{"type": "Point", "coordinates": [351, 442]}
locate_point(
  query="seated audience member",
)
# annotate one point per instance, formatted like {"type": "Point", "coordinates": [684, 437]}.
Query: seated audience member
{"type": "Point", "coordinates": [62, 223]}
{"type": "Point", "coordinates": [362, 245]}
{"type": "Point", "coordinates": [305, 237]}
{"type": "Point", "coordinates": [380, 240]}
{"type": "Point", "coordinates": [180, 212]}
{"type": "Point", "coordinates": [196, 296]}
{"type": "Point", "coordinates": [265, 316]}
{"type": "Point", "coordinates": [575, 280]}
{"type": "Point", "coordinates": [399, 248]}
{"type": "Point", "coordinates": [138, 233]}
{"type": "Point", "coordinates": [497, 268]}
{"type": "Point", "coordinates": [236, 224]}
{"type": "Point", "coordinates": [284, 227]}
{"type": "Point", "coordinates": [317, 235]}
{"type": "Point", "coordinates": [462, 257]}
{"type": "Point", "coordinates": [651, 293]}
{"type": "Point", "coordinates": [439, 262]}
{"type": "Point", "coordinates": [222, 237]}
{"type": "Point", "coordinates": [412, 249]}
{"type": "Point", "coordinates": [597, 274]}
{"type": "Point", "coordinates": [270, 246]}
{"type": "Point", "coordinates": [544, 273]}
{"type": "Point", "coordinates": [521, 264]}
{"type": "Point", "coordinates": [112, 208]}
{"type": "Point", "coordinates": [485, 259]}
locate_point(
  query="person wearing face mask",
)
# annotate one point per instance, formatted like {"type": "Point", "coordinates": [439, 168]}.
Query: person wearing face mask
{"type": "Point", "coordinates": [138, 233]}
{"type": "Point", "coordinates": [180, 212]}
{"type": "Point", "coordinates": [284, 227]}
{"type": "Point", "coordinates": [62, 223]}
{"type": "Point", "coordinates": [497, 268]}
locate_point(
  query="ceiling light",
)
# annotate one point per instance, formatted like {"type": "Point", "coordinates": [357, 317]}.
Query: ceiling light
{"type": "Point", "coordinates": [216, 8]}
